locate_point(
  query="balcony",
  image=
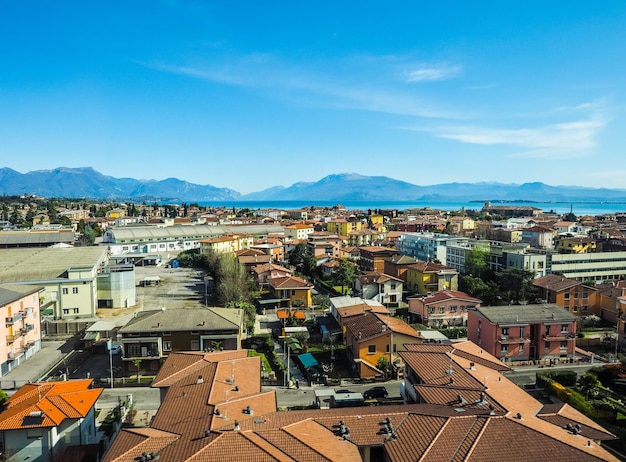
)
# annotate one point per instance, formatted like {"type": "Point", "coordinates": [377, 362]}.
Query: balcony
{"type": "Point", "coordinates": [10, 320]}
{"type": "Point", "coordinates": [10, 338]}
{"type": "Point", "coordinates": [508, 340]}
{"type": "Point", "coordinates": [560, 337]}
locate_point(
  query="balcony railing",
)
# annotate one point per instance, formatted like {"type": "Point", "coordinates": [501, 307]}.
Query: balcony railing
{"type": "Point", "coordinates": [507, 340]}
{"type": "Point", "coordinates": [10, 338]}
{"type": "Point", "coordinates": [560, 337]}
{"type": "Point", "coordinates": [10, 320]}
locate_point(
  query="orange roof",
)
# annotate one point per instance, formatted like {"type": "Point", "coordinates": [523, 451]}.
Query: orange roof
{"type": "Point", "coordinates": [47, 404]}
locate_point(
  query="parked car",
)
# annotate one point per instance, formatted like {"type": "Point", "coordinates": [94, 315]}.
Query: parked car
{"type": "Point", "coordinates": [375, 392]}
{"type": "Point", "coordinates": [115, 350]}
{"type": "Point", "coordinates": [343, 390]}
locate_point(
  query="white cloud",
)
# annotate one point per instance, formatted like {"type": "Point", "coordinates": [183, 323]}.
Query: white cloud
{"type": "Point", "coordinates": [573, 136]}
{"type": "Point", "coordinates": [430, 74]}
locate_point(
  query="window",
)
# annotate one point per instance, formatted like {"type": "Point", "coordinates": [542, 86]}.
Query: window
{"type": "Point", "coordinates": [167, 345]}
{"type": "Point", "coordinates": [585, 294]}
{"type": "Point", "coordinates": [564, 328]}
{"type": "Point", "coordinates": [453, 309]}
{"type": "Point", "coordinates": [34, 433]}
{"type": "Point", "coordinates": [442, 309]}
{"type": "Point", "coordinates": [65, 291]}
{"type": "Point", "coordinates": [575, 309]}
{"type": "Point", "coordinates": [547, 330]}
{"type": "Point", "coordinates": [505, 349]}
{"type": "Point", "coordinates": [371, 349]}
{"type": "Point", "coordinates": [395, 348]}
{"type": "Point", "coordinates": [566, 296]}
{"type": "Point", "coordinates": [75, 310]}
{"type": "Point", "coordinates": [74, 290]}
{"type": "Point", "coordinates": [585, 308]}
{"type": "Point", "coordinates": [575, 294]}
{"type": "Point", "coordinates": [505, 331]}
{"type": "Point", "coordinates": [66, 311]}
{"type": "Point", "coordinates": [563, 345]}
{"type": "Point", "coordinates": [431, 310]}
{"type": "Point", "coordinates": [522, 333]}
{"type": "Point", "coordinates": [387, 349]}
{"type": "Point", "coordinates": [521, 349]}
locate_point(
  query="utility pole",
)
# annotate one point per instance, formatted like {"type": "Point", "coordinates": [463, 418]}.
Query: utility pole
{"type": "Point", "coordinates": [110, 345]}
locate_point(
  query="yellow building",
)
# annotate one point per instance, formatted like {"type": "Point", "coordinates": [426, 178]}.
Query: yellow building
{"type": "Point", "coordinates": [576, 245]}
{"type": "Point", "coordinates": [343, 227]}
{"type": "Point", "coordinates": [370, 336]}
{"type": "Point", "coordinates": [292, 291]}
{"type": "Point", "coordinates": [424, 277]}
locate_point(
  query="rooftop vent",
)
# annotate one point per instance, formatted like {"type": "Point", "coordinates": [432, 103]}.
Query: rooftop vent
{"type": "Point", "coordinates": [36, 414]}
{"type": "Point", "coordinates": [472, 366]}
{"type": "Point", "coordinates": [248, 410]}
{"type": "Point", "coordinates": [200, 380]}
{"type": "Point", "coordinates": [236, 427]}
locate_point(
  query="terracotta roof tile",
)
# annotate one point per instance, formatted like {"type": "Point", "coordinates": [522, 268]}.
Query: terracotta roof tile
{"type": "Point", "coordinates": [56, 401]}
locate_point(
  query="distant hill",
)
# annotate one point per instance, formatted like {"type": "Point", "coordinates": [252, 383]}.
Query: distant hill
{"type": "Point", "coordinates": [354, 187]}
{"type": "Point", "coordinates": [88, 183]}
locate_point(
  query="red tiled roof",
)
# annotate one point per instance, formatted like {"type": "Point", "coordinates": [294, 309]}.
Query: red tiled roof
{"type": "Point", "coordinates": [55, 401]}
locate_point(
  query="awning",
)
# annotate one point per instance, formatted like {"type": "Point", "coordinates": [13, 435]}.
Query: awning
{"type": "Point", "coordinates": [308, 360]}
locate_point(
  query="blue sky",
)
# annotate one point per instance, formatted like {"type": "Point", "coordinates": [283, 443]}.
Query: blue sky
{"type": "Point", "coordinates": [249, 95]}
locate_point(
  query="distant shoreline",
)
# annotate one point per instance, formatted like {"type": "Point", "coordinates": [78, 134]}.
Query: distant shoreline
{"type": "Point", "coordinates": [579, 208]}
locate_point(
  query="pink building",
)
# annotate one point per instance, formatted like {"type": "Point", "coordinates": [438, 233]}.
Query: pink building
{"type": "Point", "coordinates": [19, 323]}
{"type": "Point", "coordinates": [523, 332]}
{"type": "Point", "coordinates": [442, 308]}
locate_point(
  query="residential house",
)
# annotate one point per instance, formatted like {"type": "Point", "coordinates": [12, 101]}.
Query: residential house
{"type": "Point", "coordinates": [373, 257]}
{"type": "Point", "coordinates": [19, 307]}
{"type": "Point", "coordinates": [571, 294]}
{"type": "Point", "coordinates": [397, 265]}
{"type": "Point", "coordinates": [461, 225]}
{"type": "Point", "coordinates": [324, 245]}
{"type": "Point", "coordinates": [610, 302]}
{"type": "Point", "coordinates": [371, 336]}
{"type": "Point", "coordinates": [346, 306]}
{"type": "Point", "coordinates": [299, 231]}
{"type": "Point", "coordinates": [442, 308]}
{"type": "Point", "coordinates": [539, 236]}
{"type": "Point", "coordinates": [209, 413]}
{"type": "Point", "coordinates": [43, 420]}
{"type": "Point", "coordinates": [364, 237]}
{"type": "Point", "coordinates": [150, 336]}
{"type": "Point", "coordinates": [424, 277]}
{"type": "Point", "coordinates": [275, 249]}
{"type": "Point", "coordinates": [523, 332]}
{"type": "Point", "coordinates": [469, 381]}
{"type": "Point", "coordinates": [264, 272]}
{"type": "Point", "coordinates": [378, 286]}
{"type": "Point", "coordinates": [351, 253]}
{"type": "Point", "coordinates": [292, 291]}
{"type": "Point", "coordinates": [228, 243]}
{"type": "Point", "coordinates": [569, 227]}
{"type": "Point", "coordinates": [575, 244]}
{"type": "Point", "coordinates": [251, 258]}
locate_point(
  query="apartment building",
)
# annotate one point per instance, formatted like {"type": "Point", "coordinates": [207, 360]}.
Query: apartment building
{"type": "Point", "coordinates": [20, 328]}
{"type": "Point", "coordinates": [523, 332]}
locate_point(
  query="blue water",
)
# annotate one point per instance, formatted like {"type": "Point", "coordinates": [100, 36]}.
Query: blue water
{"type": "Point", "coordinates": [579, 208]}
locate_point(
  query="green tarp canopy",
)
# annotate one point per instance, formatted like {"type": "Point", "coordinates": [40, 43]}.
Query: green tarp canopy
{"type": "Point", "coordinates": [308, 360]}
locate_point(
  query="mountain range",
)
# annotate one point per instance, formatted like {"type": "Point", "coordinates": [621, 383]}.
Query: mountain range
{"type": "Point", "coordinates": [88, 183]}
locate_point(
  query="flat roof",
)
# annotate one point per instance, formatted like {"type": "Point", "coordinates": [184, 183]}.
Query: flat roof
{"type": "Point", "coordinates": [544, 312]}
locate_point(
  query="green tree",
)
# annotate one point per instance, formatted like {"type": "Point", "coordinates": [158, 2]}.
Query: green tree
{"type": "Point", "coordinates": [296, 255]}
{"type": "Point", "coordinates": [345, 273]}
{"type": "Point", "coordinates": [516, 284]}
{"type": "Point", "coordinates": [588, 384]}
{"type": "Point", "coordinates": [137, 364]}
{"type": "Point", "coordinates": [477, 263]}
{"type": "Point", "coordinates": [3, 397]}
{"type": "Point", "coordinates": [249, 313]}
{"type": "Point", "coordinates": [384, 366]}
